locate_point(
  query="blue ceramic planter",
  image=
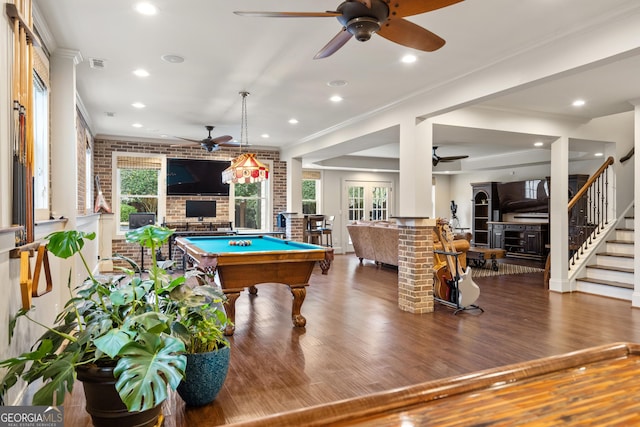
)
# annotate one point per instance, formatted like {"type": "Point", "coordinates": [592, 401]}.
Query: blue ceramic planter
{"type": "Point", "coordinates": [204, 376]}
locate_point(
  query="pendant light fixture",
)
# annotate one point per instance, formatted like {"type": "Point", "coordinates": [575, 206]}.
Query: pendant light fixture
{"type": "Point", "coordinates": [245, 168]}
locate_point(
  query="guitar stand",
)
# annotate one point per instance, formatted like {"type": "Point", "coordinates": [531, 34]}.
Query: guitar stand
{"type": "Point", "coordinates": [455, 280]}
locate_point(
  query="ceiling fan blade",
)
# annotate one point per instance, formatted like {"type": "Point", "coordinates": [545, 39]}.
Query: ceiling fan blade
{"type": "Point", "coordinates": [411, 35]}
{"type": "Point", "coordinates": [415, 7]}
{"type": "Point", "coordinates": [231, 144]}
{"type": "Point", "coordinates": [188, 139]}
{"type": "Point", "coordinates": [334, 44]}
{"type": "Point", "coordinates": [452, 158]}
{"type": "Point", "coordinates": [220, 139]}
{"type": "Point", "coordinates": [327, 14]}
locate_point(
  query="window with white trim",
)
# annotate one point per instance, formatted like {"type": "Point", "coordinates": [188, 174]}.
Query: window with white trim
{"type": "Point", "coordinates": [250, 204]}
{"type": "Point", "coordinates": [311, 192]}
{"type": "Point", "coordinates": [138, 183]}
{"type": "Point", "coordinates": [41, 147]}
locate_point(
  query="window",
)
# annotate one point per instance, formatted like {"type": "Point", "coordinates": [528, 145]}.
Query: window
{"type": "Point", "coordinates": [41, 148]}
{"type": "Point", "coordinates": [88, 174]}
{"type": "Point", "coordinates": [138, 184]}
{"type": "Point", "coordinates": [251, 205]}
{"type": "Point", "coordinates": [311, 192]}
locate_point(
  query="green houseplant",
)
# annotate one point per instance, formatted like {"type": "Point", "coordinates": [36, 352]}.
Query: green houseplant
{"type": "Point", "coordinates": [123, 323]}
{"type": "Point", "coordinates": [201, 326]}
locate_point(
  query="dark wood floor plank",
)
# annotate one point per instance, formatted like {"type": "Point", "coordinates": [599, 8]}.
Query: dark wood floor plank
{"type": "Point", "coordinates": [358, 342]}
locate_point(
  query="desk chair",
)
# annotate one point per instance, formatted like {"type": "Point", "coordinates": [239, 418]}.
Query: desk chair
{"type": "Point", "coordinates": [327, 230]}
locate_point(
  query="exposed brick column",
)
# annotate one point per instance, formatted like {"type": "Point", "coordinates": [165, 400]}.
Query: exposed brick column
{"type": "Point", "coordinates": [415, 265]}
{"type": "Point", "coordinates": [295, 226]}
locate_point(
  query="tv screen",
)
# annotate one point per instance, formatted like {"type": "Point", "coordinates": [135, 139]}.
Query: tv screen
{"type": "Point", "coordinates": [524, 196]}
{"type": "Point", "coordinates": [201, 209]}
{"type": "Point", "coordinates": [187, 177]}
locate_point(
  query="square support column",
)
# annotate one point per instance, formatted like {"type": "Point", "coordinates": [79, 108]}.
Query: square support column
{"type": "Point", "coordinates": [415, 265]}
{"type": "Point", "coordinates": [294, 229]}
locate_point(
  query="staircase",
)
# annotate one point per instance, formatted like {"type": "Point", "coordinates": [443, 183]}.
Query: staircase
{"type": "Point", "coordinates": [611, 272]}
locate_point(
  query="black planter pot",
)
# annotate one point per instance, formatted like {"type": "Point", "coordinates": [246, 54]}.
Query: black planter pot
{"type": "Point", "coordinates": [103, 402]}
{"type": "Point", "coordinates": [204, 376]}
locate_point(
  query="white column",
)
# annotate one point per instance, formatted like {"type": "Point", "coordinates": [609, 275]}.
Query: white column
{"type": "Point", "coordinates": [635, 299]}
{"type": "Point", "coordinates": [64, 161]}
{"type": "Point", "coordinates": [416, 140]}
{"type": "Point", "coordinates": [559, 226]}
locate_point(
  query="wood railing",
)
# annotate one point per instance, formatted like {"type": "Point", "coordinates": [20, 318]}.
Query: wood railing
{"type": "Point", "coordinates": [588, 212]}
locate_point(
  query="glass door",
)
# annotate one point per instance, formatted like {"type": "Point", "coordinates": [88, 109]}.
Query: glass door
{"type": "Point", "coordinates": [365, 201]}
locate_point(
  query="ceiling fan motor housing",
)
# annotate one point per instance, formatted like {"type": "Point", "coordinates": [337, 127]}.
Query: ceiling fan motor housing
{"type": "Point", "coordinates": [361, 21]}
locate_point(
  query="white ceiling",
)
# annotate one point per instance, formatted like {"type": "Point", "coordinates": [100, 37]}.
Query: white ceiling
{"type": "Point", "coordinates": [272, 59]}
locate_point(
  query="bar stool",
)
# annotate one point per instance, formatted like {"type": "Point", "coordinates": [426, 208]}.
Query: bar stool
{"type": "Point", "coordinates": [314, 229]}
{"type": "Point", "coordinates": [327, 230]}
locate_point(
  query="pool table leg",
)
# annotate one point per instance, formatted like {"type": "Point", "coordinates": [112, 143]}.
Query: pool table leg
{"type": "Point", "coordinates": [299, 294]}
{"type": "Point", "coordinates": [230, 308]}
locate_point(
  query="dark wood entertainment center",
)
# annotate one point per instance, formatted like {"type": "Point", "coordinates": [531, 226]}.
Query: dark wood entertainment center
{"type": "Point", "coordinates": [522, 234]}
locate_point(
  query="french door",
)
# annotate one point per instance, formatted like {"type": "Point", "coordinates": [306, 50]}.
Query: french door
{"type": "Point", "coordinates": [366, 201]}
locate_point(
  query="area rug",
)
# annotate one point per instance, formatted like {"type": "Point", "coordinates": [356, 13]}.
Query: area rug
{"type": "Point", "coordinates": [503, 269]}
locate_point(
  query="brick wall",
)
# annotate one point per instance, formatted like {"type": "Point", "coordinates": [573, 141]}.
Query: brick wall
{"type": "Point", "coordinates": [175, 206]}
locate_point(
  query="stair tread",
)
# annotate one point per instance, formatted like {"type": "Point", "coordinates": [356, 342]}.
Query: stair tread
{"type": "Point", "coordinates": [615, 254]}
{"type": "Point", "coordinates": [624, 242]}
{"type": "Point", "coordinates": [610, 268]}
{"type": "Point", "coordinates": [606, 282]}
{"type": "Point", "coordinates": [625, 229]}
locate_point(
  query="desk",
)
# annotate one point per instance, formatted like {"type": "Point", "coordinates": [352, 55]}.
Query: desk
{"type": "Point", "coordinates": [479, 256]}
{"type": "Point", "coordinates": [597, 386]}
{"type": "Point", "coordinates": [265, 260]}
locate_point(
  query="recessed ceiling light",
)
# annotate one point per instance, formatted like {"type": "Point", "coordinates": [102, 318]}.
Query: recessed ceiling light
{"type": "Point", "coordinates": [146, 8]}
{"type": "Point", "coordinates": [293, 121]}
{"type": "Point", "coordinates": [599, 154]}
{"type": "Point", "coordinates": [409, 59]}
{"type": "Point", "coordinates": [538, 144]}
{"type": "Point", "coordinates": [141, 73]}
{"type": "Point", "coordinates": [336, 98]}
{"type": "Point", "coordinates": [137, 125]}
{"type": "Point", "coordinates": [138, 105]}
{"type": "Point", "coordinates": [578, 103]}
{"type": "Point", "coordinates": [265, 135]}
{"type": "Point", "coordinates": [337, 83]}
{"type": "Point", "coordinates": [173, 59]}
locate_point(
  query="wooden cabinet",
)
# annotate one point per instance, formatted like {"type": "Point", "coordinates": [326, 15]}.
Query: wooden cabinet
{"type": "Point", "coordinates": [485, 210]}
{"type": "Point", "coordinates": [520, 240]}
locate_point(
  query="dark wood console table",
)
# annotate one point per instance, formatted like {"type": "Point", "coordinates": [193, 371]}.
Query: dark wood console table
{"type": "Point", "coordinates": [520, 239]}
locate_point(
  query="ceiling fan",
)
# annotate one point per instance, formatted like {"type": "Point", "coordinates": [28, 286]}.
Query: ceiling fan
{"type": "Point", "coordinates": [435, 159]}
{"type": "Point", "coordinates": [210, 144]}
{"type": "Point", "coordinates": [362, 18]}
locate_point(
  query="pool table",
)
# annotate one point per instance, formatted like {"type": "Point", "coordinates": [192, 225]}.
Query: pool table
{"type": "Point", "coordinates": [243, 261]}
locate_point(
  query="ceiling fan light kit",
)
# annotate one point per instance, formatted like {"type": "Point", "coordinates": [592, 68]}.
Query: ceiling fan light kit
{"type": "Point", "coordinates": [245, 168]}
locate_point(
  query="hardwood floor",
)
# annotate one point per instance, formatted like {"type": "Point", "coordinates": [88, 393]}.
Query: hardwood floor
{"type": "Point", "coordinates": [358, 342]}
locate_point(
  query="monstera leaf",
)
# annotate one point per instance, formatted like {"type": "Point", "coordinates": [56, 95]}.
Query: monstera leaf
{"type": "Point", "coordinates": [146, 368]}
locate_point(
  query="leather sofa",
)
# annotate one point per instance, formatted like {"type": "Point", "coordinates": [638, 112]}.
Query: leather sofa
{"type": "Point", "coordinates": [378, 241]}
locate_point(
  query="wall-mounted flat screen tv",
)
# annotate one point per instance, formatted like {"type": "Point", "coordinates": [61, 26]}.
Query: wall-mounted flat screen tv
{"type": "Point", "coordinates": [200, 209]}
{"type": "Point", "coordinates": [531, 195]}
{"type": "Point", "coordinates": [190, 177]}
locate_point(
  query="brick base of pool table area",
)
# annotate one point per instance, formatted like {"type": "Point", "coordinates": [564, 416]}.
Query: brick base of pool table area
{"type": "Point", "coordinates": [246, 261]}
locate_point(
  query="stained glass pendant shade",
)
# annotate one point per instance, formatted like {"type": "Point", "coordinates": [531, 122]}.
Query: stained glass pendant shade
{"type": "Point", "coordinates": [245, 168]}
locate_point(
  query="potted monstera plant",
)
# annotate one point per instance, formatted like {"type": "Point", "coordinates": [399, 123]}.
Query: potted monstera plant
{"type": "Point", "coordinates": [201, 324]}
{"type": "Point", "coordinates": [115, 333]}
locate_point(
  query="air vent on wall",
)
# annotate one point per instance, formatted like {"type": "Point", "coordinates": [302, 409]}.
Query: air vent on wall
{"type": "Point", "coordinates": [96, 63]}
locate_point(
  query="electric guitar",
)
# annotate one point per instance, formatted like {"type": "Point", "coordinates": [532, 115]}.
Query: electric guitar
{"type": "Point", "coordinates": [101, 204]}
{"type": "Point", "coordinates": [467, 292]}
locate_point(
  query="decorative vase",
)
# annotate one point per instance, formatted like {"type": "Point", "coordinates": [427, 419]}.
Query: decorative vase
{"type": "Point", "coordinates": [204, 376]}
{"type": "Point", "coordinates": [103, 402]}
